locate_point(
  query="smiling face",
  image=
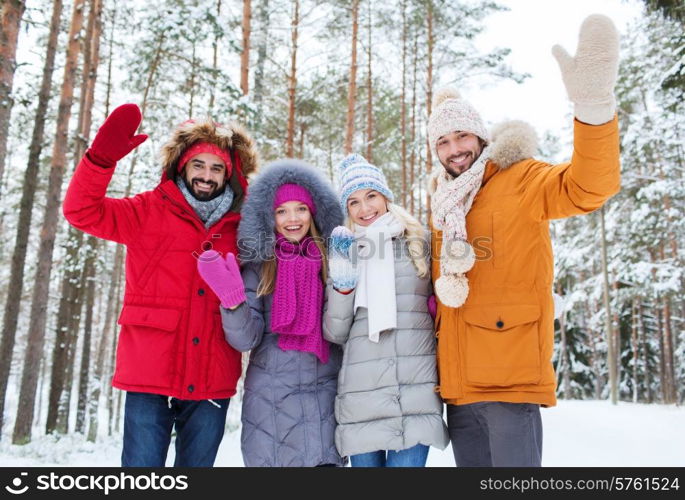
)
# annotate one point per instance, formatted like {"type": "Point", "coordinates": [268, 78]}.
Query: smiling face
{"type": "Point", "coordinates": [457, 151]}
{"type": "Point", "coordinates": [205, 176]}
{"type": "Point", "coordinates": [365, 206]}
{"type": "Point", "coordinates": [293, 220]}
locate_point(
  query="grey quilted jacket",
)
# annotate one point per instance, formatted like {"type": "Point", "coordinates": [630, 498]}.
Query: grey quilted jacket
{"type": "Point", "coordinates": [287, 415]}
{"type": "Point", "coordinates": [386, 391]}
{"type": "Point", "coordinates": [287, 412]}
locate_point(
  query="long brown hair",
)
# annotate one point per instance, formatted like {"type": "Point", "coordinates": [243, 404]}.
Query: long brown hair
{"type": "Point", "coordinates": [268, 274]}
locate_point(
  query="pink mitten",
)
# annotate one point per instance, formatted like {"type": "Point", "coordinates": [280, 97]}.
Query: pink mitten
{"type": "Point", "coordinates": [223, 277]}
{"type": "Point", "coordinates": [432, 306]}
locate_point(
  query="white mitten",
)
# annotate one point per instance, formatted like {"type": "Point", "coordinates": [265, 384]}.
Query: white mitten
{"type": "Point", "coordinates": [590, 76]}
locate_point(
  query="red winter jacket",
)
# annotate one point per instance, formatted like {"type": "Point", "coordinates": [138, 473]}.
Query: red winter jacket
{"type": "Point", "coordinates": [171, 341]}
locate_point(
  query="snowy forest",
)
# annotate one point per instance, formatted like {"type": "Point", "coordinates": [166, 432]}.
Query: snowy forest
{"type": "Point", "coordinates": [312, 79]}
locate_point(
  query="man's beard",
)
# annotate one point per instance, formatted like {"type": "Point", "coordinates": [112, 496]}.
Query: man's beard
{"type": "Point", "coordinates": [202, 195]}
{"type": "Point", "coordinates": [457, 171]}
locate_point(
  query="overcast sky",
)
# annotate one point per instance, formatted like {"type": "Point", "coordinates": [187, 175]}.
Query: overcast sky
{"type": "Point", "coordinates": [530, 29]}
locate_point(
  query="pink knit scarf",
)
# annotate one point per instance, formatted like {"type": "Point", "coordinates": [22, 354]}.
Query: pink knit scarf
{"type": "Point", "coordinates": [298, 298]}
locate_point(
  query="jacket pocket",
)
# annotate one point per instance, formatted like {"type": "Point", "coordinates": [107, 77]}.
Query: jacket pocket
{"type": "Point", "coordinates": [502, 345]}
{"type": "Point", "coordinates": [152, 317]}
{"type": "Point", "coordinates": [147, 351]}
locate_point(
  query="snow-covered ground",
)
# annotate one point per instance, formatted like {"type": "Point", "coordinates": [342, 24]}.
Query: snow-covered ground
{"type": "Point", "coordinates": [576, 433]}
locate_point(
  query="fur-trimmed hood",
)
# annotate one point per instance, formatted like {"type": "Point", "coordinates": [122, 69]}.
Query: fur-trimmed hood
{"type": "Point", "coordinates": [511, 142]}
{"type": "Point", "coordinates": [231, 137]}
{"type": "Point", "coordinates": [256, 237]}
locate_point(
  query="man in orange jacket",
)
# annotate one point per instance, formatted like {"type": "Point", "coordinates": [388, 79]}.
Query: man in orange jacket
{"type": "Point", "coordinates": [493, 263]}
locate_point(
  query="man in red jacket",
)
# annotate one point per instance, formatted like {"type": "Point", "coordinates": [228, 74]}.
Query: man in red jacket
{"type": "Point", "coordinates": [172, 358]}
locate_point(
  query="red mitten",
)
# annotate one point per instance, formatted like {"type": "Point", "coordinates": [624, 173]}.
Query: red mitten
{"type": "Point", "coordinates": [115, 138]}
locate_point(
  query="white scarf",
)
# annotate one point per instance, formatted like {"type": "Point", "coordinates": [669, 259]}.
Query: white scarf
{"type": "Point", "coordinates": [376, 273]}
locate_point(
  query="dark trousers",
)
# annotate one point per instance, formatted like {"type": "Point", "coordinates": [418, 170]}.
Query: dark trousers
{"type": "Point", "coordinates": [149, 420]}
{"type": "Point", "coordinates": [495, 434]}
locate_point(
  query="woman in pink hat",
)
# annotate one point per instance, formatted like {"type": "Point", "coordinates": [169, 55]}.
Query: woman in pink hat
{"type": "Point", "coordinates": [273, 308]}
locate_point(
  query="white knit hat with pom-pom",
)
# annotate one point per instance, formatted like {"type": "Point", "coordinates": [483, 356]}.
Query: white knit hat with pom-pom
{"type": "Point", "coordinates": [451, 113]}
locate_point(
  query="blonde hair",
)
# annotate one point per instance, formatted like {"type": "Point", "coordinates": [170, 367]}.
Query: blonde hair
{"type": "Point", "coordinates": [414, 234]}
{"type": "Point", "coordinates": [267, 280]}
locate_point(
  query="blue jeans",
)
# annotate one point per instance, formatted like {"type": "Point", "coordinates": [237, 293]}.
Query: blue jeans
{"type": "Point", "coordinates": [411, 457]}
{"type": "Point", "coordinates": [149, 420]}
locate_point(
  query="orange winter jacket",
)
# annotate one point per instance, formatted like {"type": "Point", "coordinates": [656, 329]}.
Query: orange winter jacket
{"type": "Point", "coordinates": [498, 345]}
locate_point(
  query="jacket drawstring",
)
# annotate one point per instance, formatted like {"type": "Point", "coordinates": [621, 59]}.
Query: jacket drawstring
{"type": "Point", "coordinates": [210, 400]}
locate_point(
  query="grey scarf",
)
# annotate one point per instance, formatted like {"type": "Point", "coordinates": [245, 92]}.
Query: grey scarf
{"type": "Point", "coordinates": [210, 211]}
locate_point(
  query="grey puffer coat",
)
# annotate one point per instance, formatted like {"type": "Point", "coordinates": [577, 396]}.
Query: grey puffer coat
{"type": "Point", "coordinates": [386, 391]}
{"type": "Point", "coordinates": [287, 416]}
{"type": "Point", "coordinates": [287, 413]}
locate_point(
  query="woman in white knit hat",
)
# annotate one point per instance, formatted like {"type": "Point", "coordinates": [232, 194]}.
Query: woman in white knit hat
{"type": "Point", "coordinates": [387, 410]}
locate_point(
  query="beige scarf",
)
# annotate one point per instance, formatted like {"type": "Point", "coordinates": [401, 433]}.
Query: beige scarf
{"type": "Point", "coordinates": [450, 203]}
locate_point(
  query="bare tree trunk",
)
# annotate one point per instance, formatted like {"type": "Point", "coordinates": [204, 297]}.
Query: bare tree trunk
{"type": "Point", "coordinates": [564, 368]}
{"type": "Point", "coordinates": [69, 312]}
{"type": "Point", "coordinates": [419, 185]}
{"type": "Point", "coordinates": [109, 60]}
{"type": "Point", "coordinates": [39, 303]}
{"type": "Point", "coordinates": [16, 280]}
{"type": "Point", "coordinates": [636, 349]}
{"type": "Point", "coordinates": [41, 381]}
{"type": "Point", "coordinates": [352, 87]}
{"type": "Point", "coordinates": [662, 360]}
{"type": "Point", "coordinates": [101, 350]}
{"type": "Point", "coordinates": [669, 345]}
{"type": "Point", "coordinates": [117, 412]}
{"type": "Point", "coordinates": [92, 62]}
{"type": "Point", "coordinates": [429, 97]}
{"type": "Point", "coordinates": [12, 10]}
{"type": "Point", "coordinates": [403, 101]}
{"type": "Point", "coordinates": [83, 386]}
{"type": "Point", "coordinates": [245, 54]}
{"type": "Point", "coordinates": [292, 81]}
{"type": "Point", "coordinates": [110, 395]}
{"type": "Point", "coordinates": [645, 353]}
{"type": "Point", "coordinates": [616, 332]}
{"type": "Point", "coordinates": [669, 382]}
{"type": "Point", "coordinates": [103, 345]}
{"type": "Point", "coordinates": [72, 338]}
{"type": "Point", "coordinates": [68, 319]}
{"type": "Point", "coordinates": [303, 130]}
{"type": "Point", "coordinates": [193, 70]}
{"type": "Point", "coordinates": [610, 338]}
{"type": "Point", "coordinates": [258, 93]}
{"type": "Point", "coordinates": [369, 92]}
{"type": "Point", "coordinates": [412, 162]}
{"type": "Point", "coordinates": [594, 362]}
{"type": "Point", "coordinates": [215, 60]}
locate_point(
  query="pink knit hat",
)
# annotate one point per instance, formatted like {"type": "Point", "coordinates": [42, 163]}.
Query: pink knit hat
{"type": "Point", "coordinates": [206, 147]}
{"type": "Point", "coordinates": [294, 192]}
